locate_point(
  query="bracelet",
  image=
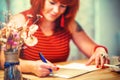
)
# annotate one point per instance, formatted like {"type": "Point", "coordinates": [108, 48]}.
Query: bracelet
{"type": "Point", "coordinates": [102, 47]}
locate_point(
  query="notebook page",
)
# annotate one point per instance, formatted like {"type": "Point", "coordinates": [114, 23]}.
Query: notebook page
{"type": "Point", "coordinates": [73, 70]}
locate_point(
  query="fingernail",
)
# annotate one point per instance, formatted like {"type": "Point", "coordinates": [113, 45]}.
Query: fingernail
{"type": "Point", "coordinates": [58, 68]}
{"type": "Point", "coordinates": [97, 66]}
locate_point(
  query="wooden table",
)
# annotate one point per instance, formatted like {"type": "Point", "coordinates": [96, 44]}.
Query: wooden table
{"type": "Point", "coordinates": [102, 74]}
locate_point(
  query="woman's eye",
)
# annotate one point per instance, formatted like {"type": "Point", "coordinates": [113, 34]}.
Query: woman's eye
{"type": "Point", "coordinates": [52, 2]}
{"type": "Point", "coordinates": [63, 6]}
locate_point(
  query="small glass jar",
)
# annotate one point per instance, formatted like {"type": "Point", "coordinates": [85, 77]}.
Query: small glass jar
{"type": "Point", "coordinates": [115, 60]}
{"type": "Point", "coordinates": [12, 72]}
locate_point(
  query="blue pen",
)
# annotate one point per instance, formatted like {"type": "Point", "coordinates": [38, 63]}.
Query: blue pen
{"type": "Point", "coordinates": [44, 60]}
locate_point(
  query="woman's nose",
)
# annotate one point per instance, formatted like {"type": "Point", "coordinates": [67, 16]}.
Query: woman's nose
{"type": "Point", "coordinates": [56, 9]}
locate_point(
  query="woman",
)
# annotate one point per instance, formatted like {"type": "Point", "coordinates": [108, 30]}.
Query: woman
{"type": "Point", "coordinates": [57, 26]}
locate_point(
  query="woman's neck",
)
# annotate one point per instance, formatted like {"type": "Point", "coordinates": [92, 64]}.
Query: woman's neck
{"type": "Point", "coordinates": [47, 27]}
{"type": "Point", "coordinates": [47, 24]}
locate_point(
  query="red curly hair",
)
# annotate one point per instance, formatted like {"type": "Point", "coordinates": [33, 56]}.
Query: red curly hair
{"type": "Point", "coordinates": [70, 13]}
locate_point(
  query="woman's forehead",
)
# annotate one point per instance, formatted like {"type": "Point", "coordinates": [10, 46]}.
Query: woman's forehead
{"type": "Point", "coordinates": [66, 2]}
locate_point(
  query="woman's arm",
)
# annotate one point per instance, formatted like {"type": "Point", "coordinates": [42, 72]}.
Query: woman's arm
{"type": "Point", "coordinates": [81, 39]}
{"type": "Point", "coordinates": [88, 46]}
{"type": "Point", "coordinates": [38, 68]}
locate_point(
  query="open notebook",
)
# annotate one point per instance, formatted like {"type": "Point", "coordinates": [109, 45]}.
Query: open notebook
{"type": "Point", "coordinates": [73, 69]}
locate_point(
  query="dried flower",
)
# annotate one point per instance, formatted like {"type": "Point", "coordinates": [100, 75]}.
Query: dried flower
{"type": "Point", "coordinates": [13, 36]}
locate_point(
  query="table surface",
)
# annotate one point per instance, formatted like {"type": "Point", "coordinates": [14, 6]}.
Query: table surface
{"type": "Point", "coordinates": [101, 74]}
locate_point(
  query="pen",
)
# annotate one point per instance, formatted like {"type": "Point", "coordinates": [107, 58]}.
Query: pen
{"type": "Point", "coordinates": [44, 60]}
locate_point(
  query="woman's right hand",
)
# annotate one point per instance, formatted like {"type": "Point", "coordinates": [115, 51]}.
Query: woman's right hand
{"type": "Point", "coordinates": [42, 69]}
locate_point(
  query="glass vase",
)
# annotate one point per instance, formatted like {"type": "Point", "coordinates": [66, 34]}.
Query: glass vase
{"type": "Point", "coordinates": [12, 71]}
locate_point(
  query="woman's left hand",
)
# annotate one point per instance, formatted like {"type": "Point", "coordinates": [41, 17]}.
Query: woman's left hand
{"type": "Point", "coordinates": [100, 57]}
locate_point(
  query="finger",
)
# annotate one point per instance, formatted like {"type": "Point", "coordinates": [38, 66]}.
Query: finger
{"type": "Point", "coordinates": [90, 60]}
{"type": "Point", "coordinates": [106, 62]}
{"type": "Point", "coordinates": [102, 60]}
{"type": "Point", "coordinates": [44, 74]}
{"type": "Point", "coordinates": [45, 65]}
{"type": "Point", "coordinates": [48, 66]}
{"type": "Point", "coordinates": [41, 70]}
{"type": "Point", "coordinates": [45, 70]}
{"type": "Point", "coordinates": [56, 68]}
{"type": "Point", "coordinates": [97, 61]}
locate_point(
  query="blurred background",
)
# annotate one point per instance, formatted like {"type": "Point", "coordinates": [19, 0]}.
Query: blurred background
{"type": "Point", "coordinates": [99, 18]}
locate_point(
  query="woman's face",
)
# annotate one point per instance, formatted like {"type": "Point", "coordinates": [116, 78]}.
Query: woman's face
{"type": "Point", "coordinates": [52, 10]}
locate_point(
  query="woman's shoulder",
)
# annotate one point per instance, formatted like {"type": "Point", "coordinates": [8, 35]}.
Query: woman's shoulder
{"type": "Point", "coordinates": [74, 26]}
{"type": "Point", "coordinates": [18, 19]}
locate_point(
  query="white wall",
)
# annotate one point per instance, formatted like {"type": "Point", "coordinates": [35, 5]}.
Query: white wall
{"type": "Point", "coordinates": [107, 24]}
{"type": "Point", "coordinates": [18, 6]}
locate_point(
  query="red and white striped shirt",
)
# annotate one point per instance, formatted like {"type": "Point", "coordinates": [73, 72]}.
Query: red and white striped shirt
{"type": "Point", "coordinates": [55, 47]}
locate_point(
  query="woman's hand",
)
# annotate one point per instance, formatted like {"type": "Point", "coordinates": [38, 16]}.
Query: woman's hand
{"type": "Point", "coordinates": [42, 69]}
{"type": "Point", "coordinates": [100, 57]}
